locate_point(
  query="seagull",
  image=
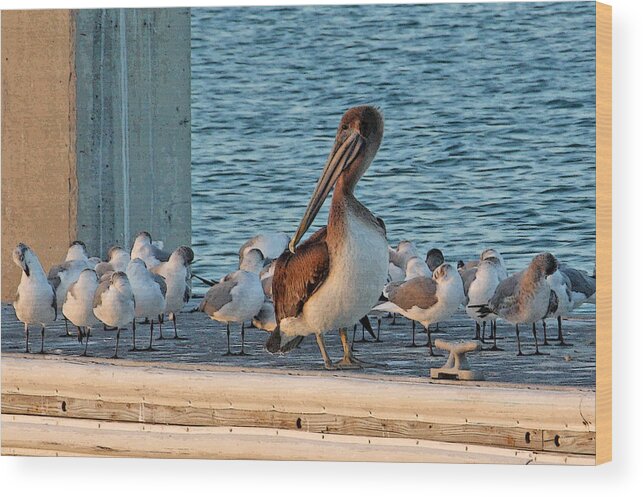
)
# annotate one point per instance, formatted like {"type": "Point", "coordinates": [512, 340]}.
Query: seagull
{"type": "Point", "coordinates": [417, 267]}
{"type": "Point", "coordinates": [396, 266]}
{"type": "Point", "coordinates": [266, 276]}
{"type": "Point", "coordinates": [561, 285]}
{"type": "Point", "coordinates": [427, 300]}
{"type": "Point", "coordinates": [77, 251]}
{"type": "Point", "coordinates": [117, 260]}
{"type": "Point", "coordinates": [236, 299]}
{"type": "Point", "coordinates": [35, 302]}
{"type": "Point", "coordinates": [334, 278]}
{"type": "Point", "coordinates": [583, 285]}
{"type": "Point", "coordinates": [79, 304]}
{"type": "Point", "coordinates": [177, 273]}
{"type": "Point", "coordinates": [265, 318]}
{"type": "Point", "coordinates": [484, 255]}
{"type": "Point", "coordinates": [146, 250]}
{"type": "Point", "coordinates": [61, 277]}
{"type": "Point", "coordinates": [524, 297]}
{"type": "Point", "coordinates": [480, 284]}
{"type": "Point", "coordinates": [149, 293]}
{"type": "Point", "coordinates": [114, 303]}
{"type": "Point", "coordinates": [271, 245]}
{"type": "Point", "coordinates": [434, 259]}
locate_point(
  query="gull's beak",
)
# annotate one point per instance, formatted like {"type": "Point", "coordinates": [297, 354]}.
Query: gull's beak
{"type": "Point", "coordinates": [342, 155]}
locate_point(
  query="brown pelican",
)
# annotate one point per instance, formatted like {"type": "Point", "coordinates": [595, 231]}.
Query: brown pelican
{"type": "Point", "coordinates": [335, 277]}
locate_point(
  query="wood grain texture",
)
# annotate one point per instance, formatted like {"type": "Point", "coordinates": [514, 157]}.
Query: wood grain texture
{"type": "Point", "coordinates": [603, 233]}
{"type": "Point", "coordinates": [521, 418]}
{"type": "Point", "coordinates": [34, 435]}
{"type": "Point", "coordinates": [66, 407]}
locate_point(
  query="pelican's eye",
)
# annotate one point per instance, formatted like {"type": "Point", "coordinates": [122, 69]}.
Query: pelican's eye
{"type": "Point", "coordinates": [344, 126]}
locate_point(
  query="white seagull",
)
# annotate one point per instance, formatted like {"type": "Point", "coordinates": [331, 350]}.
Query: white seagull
{"type": "Point", "coordinates": [117, 260]}
{"type": "Point", "coordinates": [79, 304]}
{"type": "Point", "coordinates": [236, 299]}
{"type": "Point", "coordinates": [61, 277]}
{"type": "Point", "coordinates": [35, 302]}
{"type": "Point", "coordinates": [271, 245]}
{"type": "Point", "coordinates": [426, 300]}
{"type": "Point", "coordinates": [266, 319]}
{"type": "Point", "coordinates": [561, 306]}
{"type": "Point", "coordinates": [77, 251]}
{"type": "Point", "coordinates": [147, 250]}
{"type": "Point", "coordinates": [177, 274]}
{"type": "Point", "coordinates": [149, 293]}
{"type": "Point", "coordinates": [480, 284]}
{"type": "Point", "coordinates": [114, 303]}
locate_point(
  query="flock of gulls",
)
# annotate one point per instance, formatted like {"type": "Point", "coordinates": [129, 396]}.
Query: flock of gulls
{"type": "Point", "coordinates": [337, 278]}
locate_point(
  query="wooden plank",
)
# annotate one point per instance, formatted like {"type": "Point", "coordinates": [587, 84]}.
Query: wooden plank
{"type": "Point", "coordinates": [571, 442]}
{"type": "Point", "coordinates": [604, 232]}
{"type": "Point", "coordinates": [66, 407]}
{"type": "Point", "coordinates": [38, 434]}
{"type": "Point", "coordinates": [374, 397]}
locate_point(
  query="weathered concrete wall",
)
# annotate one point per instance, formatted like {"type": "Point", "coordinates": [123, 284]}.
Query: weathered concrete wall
{"type": "Point", "coordinates": [133, 118]}
{"type": "Point", "coordinates": [38, 133]}
{"type": "Point", "coordinates": [95, 130]}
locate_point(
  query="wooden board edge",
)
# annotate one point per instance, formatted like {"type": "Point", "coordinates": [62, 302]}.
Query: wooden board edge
{"type": "Point", "coordinates": [520, 438]}
{"type": "Point", "coordinates": [603, 233]}
{"type": "Point", "coordinates": [29, 435]}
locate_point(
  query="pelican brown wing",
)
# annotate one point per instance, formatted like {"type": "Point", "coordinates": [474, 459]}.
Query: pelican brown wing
{"type": "Point", "coordinates": [299, 275]}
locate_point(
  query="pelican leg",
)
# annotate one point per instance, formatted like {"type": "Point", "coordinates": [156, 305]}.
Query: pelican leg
{"type": "Point", "coordinates": [328, 364]}
{"type": "Point", "coordinates": [42, 340]}
{"type": "Point", "coordinates": [227, 330]}
{"type": "Point", "coordinates": [561, 340]}
{"type": "Point", "coordinates": [545, 342]}
{"type": "Point", "coordinates": [87, 333]}
{"type": "Point", "coordinates": [26, 338]}
{"type": "Point", "coordinates": [349, 361]}
{"type": "Point", "coordinates": [379, 326]}
{"type": "Point", "coordinates": [118, 336]}
{"type": "Point", "coordinates": [518, 339]}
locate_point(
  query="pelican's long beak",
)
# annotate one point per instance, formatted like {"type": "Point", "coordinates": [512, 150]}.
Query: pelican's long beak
{"type": "Point", "coordinates": [342, 155]}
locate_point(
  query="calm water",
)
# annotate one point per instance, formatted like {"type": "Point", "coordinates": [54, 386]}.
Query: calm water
{"type": "Point", "coordinates": [489, 137]}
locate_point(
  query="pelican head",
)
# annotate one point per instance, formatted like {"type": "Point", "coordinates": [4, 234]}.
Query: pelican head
{"type": "Point", "coordinates": [358, 137]}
